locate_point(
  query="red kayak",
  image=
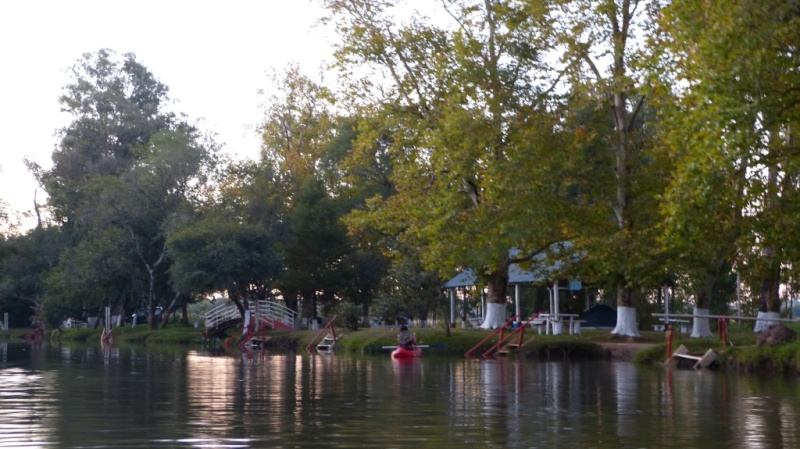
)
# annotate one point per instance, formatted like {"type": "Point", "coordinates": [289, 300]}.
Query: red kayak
{"type": "Point", "coordinates": [403, 353]}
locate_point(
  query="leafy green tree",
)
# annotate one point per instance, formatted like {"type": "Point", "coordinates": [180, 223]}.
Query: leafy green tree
{"type": "Point", "coordinates": [116, 105]}
{"type": "Point", "coordinates": [314, 247]}
{"type": "Point", "coordinates": [24, 262]}
{"type": "Point", "coordinates": [137, 209]}
{"type": "Point", "coordinates": [220, 254]}
{"type": "Point", "coordinates": [353, 177]}
{"type": "Point", "coordinates": [251, 201]}
{"type": "Point", "coordinates": [740, 105]}
{"type": "Point", "coordinates": [464, 116]}
{"type": "Point", "coordinates": [90, 275]}
{"type": "Point", "coordinates": [305, 141]}
{"type": "Point", "coordinates": [124, 171]}
{"type": "Point", "coordinates": [702, 208]}
{"type": "Point", "coordinates": [603, 59]}
{"type": "Point", "coordinates": [298, 127]}
{"type": "Point", "coordinates": [418, 289]}
{"type": "Point", "coordinates": [361, 275]}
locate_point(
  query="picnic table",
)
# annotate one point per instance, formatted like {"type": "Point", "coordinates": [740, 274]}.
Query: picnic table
{"type": "Point", "coordinates": [552, 323]}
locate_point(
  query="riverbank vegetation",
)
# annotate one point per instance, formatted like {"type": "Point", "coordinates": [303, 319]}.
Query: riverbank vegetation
{"type": "Point", "coordinates": [636, 154]}
{"type": "Point", "coordinates": [784, 358]}
{"type": "Point", "coordinates": [741, 353]}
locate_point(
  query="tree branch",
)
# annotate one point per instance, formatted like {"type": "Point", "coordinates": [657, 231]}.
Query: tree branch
{"type": "Point", "coordinates": [629, 128]}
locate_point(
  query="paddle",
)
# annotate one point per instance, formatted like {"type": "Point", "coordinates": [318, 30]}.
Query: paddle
{"type": "Point", "coordinates": [395, 347]}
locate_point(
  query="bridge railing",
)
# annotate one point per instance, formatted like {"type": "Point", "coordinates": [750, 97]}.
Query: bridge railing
{"type": "Point", "coordinates": [220, 314]}
{"type": "Point", "coordinates": [264, 310]}
{"type": "Point", "coordinates": [273, 311]}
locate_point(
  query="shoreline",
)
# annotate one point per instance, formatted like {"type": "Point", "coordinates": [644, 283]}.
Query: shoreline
{"type": "Point", "coordinates": [740, 354]}
{"type": "Point", "coordinates": [624, 352]}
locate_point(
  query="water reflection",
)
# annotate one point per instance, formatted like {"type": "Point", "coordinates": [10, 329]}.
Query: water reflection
{"type": "Point", "coordinates": [132, 397]}
{"type": "Point", "coordinates": [28, 410]}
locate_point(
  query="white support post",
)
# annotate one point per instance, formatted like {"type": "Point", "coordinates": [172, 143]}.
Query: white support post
{"type": "Point", "coordinates": [516, 298]}
{"type": "Point", "coordinates": [464, 311]}
{"type": "Point", "coordinates": [483, 304]}
{"type": "Point", "coordinates": [555, 299]}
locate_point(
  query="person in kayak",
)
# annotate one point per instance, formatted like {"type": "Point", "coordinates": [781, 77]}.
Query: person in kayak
{"type": "Point", "coordinates": [406, 339]}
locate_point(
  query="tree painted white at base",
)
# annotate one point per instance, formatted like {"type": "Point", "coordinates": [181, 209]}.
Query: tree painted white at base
{"type": "Point", "coordinates": [700, 326]}
{"type": "Point", "coordinates": [495, 316]}
{"type": "Point", "coordinates": [765, 320]}
{"type": "Point", "coordinates": [626, 322]}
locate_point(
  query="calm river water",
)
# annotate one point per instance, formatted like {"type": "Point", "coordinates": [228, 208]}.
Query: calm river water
{"type": "Point", "coordinates": [53, 396]}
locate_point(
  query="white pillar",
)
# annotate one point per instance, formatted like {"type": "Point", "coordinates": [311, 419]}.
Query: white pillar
{"type": "Point", "coordinates": [555, 298]}
{"type": "Point", "coordinates": [516, 298]}
{"type": "Point", "coordinates": [483, 305]}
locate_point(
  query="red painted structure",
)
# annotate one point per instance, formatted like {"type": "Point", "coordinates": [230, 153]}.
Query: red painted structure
{"type": "Point", "coordinates": [318, 337]}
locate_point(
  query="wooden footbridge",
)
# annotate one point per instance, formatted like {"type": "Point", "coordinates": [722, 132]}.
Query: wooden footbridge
{"type": "Point", "coordinates": [263, 315]}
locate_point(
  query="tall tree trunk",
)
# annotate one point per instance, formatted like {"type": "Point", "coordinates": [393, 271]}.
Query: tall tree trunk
{"type": "Point", "coordinates": [184, 313]}
{"type": "Point", "coordinates": [290, 299]}
{"type": "Point", "coordinates": [626, 313]}
{"type": "Point", "coordinates": [151, 271]}
{"type": "Point", "coordinates": [234, 296]}
{"type": "Point", "coordinates": [496, 284]}
{"type": "Point", "coordinates": [769, 295]}
{"type": "Point", "coordinates": [703, 293]}
{"type": "Point", "coordinates": [309, 306]}
{"type": "Point", "coordinates": [621, 17]}
{"type": "Point", "coordinates": [700, 326]}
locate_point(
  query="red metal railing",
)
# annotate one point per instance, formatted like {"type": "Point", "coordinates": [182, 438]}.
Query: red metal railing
{"type": "Point", "coordinates": [501, 330]}
{"type": "Point", "coordinates": [519, 330]}
{"type": "Point", "coordinates": [310, 347]}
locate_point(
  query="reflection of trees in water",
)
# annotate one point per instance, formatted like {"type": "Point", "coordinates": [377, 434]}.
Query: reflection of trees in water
{"type": "Point", "coordinates": [516, 403]}
{"type": "Point", "coordinates": [765, 414]}
{"type": "Point", "coordinates": [627, 399]}
{"type": "Point", "coordinates": [499, 403]}
{"type": "Point", "coordinates": [80, 397]}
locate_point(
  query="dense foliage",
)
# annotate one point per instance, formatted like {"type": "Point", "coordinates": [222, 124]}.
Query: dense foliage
{"type": "Point", "coordinates": [634, 144]}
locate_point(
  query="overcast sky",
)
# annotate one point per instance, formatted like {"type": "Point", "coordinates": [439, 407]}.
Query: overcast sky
{"type": "Point", "coordinates": [214, 56]}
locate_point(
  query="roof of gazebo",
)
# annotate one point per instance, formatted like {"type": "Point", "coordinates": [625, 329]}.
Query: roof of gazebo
{"type": "Point", "coordinates": [516, 274]}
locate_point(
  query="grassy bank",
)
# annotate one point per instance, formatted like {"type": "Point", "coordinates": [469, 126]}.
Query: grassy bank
{"type": "Point", "coordinates": [362, 341]}
{"type": "Point", "coordinates": [586, 345]}
{"type": "Point", "coordinates": [742, 354]}
{"type": "Point", "coordinates": [784, 358]}
{"type": "Point", "coordinates": [171, 335]}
